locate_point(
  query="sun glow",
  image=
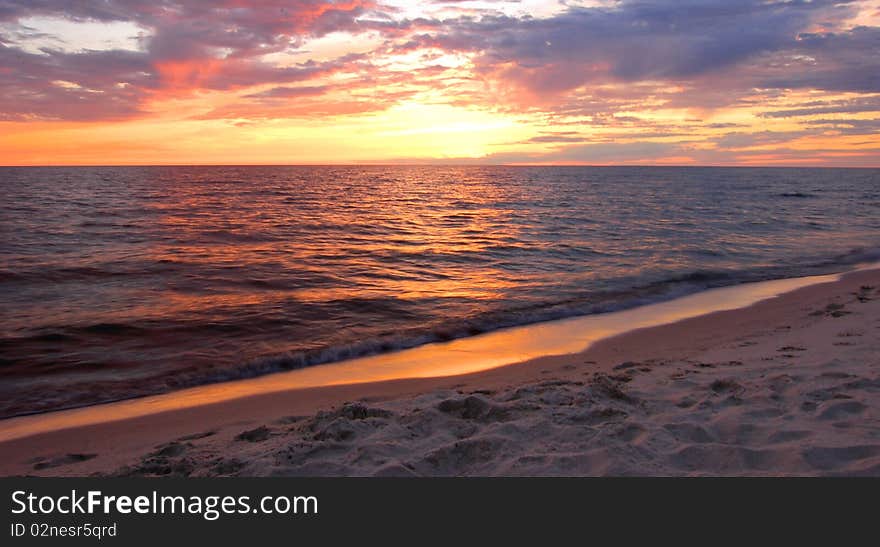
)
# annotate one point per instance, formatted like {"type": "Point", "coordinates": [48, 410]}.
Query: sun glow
{"type": "Point", "coordinates": [363, 81]}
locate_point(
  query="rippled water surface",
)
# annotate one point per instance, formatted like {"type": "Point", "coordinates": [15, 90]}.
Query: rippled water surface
{"type": "Point", "coordinates": [117, 282]}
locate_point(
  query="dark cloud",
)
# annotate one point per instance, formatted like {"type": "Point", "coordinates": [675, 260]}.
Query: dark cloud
{"type": "Point", "coordinates": [844, 61]}
{"type": "Point", "coordinates": [72, 86]}
{"type": "Point", "coordinates": [193, 44]}
{"type": "Point", "coordinates": [718, 52]}
{"type": "Point", "coordinates": [288, 92]}
{"type": "Point", "coordinates": [724, 125]}
{"type": "Point", "coordinates": [812, 108]}
{"type": "Point", "coordinates": [556, 138]}
{"type": "Point", "coordinates": [634, 40]}
{"type": "Point", "coordinates": [744, 139]}
{"type": "Point", "coordinates": [600, 153]}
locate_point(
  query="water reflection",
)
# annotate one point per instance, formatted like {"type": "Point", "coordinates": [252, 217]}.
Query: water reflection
{"type": "Point", "coordinates": [138, 280]}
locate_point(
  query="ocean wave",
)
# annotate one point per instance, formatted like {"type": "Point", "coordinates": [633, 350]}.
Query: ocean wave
{"type": "Point", "coordinates": [600, 302]}
{"type": "Point", "coordinates": [173, 277]}
{"type": "Point", "coordinates": [797, 195]}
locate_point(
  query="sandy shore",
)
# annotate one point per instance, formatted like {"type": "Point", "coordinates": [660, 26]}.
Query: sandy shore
{"type": "Point", "coordinates": [787, 386]}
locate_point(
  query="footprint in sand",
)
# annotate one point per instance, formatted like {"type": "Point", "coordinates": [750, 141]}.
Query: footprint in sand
{"type": "Point", "coordinates": [864, 294]}
{"type": "Point", "coordinates": [835, 411]}
{"type": "Point", "coordinates": [788, 435]}
{"type": "Point", "coordinates": [254, 435]}
{"type": "Point", "coordinates": [837, 457]}
{"type": "Point", "coordinates": [44, 463]}
{"type": "Point", "coordinates": [832, 310]}
{"type": "Point", "coordinates": [692, 433]}
{"type": "Point", "coordinates": [197, 436]}
{"type": "Point", "coordinates": [170, 450]}
{"type": "Point", "coordinates": [726, 385]}
{"type": "Point", "coordinates": [836, 375]}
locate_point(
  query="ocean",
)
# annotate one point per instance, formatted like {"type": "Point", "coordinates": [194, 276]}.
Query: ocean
{"type": "Point", "coordinates": [118, 282]}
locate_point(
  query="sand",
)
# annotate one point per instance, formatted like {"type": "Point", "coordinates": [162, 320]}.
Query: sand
{"type": "Point", "coordinates": [787, 386]}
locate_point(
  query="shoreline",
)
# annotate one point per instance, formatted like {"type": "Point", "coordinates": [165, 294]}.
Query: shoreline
{"type": "Point", "coordinates": [109, 445]}
{"type": "Point", "coordinates": [118, 387]}
{"type": "Point", "coordinates": [460, 356]}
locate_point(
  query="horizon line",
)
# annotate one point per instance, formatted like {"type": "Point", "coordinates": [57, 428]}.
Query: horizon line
{"type": "Point", "coordinates": [444, 164]}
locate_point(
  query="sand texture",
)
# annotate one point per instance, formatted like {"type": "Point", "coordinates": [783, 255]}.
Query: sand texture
{"type": "Point", "coordinates": [789, 386]}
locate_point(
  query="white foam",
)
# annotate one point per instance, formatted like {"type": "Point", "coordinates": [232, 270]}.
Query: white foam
{"type": "Point", "coordinates": [460, 356]}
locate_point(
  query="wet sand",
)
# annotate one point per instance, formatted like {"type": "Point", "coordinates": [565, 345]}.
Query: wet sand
{"type": "Point", "coordinates": [789, 385]}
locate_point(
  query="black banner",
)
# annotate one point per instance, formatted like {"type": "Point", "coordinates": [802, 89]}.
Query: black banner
{"type": "Point", "coordinates": [413, 511]}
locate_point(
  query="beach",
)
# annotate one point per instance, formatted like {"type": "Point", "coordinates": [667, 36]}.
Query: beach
{"type": "Point", "coordinates": [529, 244]}
{"type": "Point", "coordinates": [154, 287]}
{"type": "Point", "coordinates": [789, 385]}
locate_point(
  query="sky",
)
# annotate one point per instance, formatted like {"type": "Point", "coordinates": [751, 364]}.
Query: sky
{"type": "Point", "coordinates": [680, 82]}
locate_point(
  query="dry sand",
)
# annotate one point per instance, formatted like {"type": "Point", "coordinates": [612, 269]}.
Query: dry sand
{"type": "Point", "coordinates": [788, 386]}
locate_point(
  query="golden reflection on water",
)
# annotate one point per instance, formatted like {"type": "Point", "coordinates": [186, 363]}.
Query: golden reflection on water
{"type": "Point", "coordinates": [394, 238]}
{"type": "Point", "coordinates": [140, 280]}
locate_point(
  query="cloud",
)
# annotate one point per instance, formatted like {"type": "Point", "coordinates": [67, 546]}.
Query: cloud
{"type": "Point", "coordinates": [565, 137]}
{"type": "Point", "coordinates": [288, 92]}
{"type": "Point", "coordinates": [812, 108]}
{"type": "Point", "coordinates": [634, 40]}
{"type": "Point", "coordinates": [717, 49]}
{"type": "Point", "coordinates": [843, 61]}
{"type": "Point", "coordinates": [72, 86]}
{"type": "Point", "coordinates": [190, 45]}
{"type": "Point", "coordinates": [595, 153]}
{"type": "Point", "coordinates": [601, 84]}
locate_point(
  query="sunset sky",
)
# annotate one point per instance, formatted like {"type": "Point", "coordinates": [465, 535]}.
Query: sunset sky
{"type": "Point", "coordinates": [715, 82]}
